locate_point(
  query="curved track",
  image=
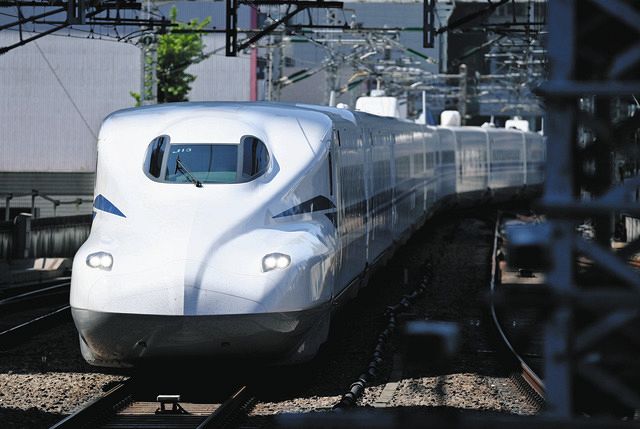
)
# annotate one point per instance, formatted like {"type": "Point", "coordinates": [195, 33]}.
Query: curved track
{"type": "Point", "coordinates": [27, 309]}
{"type": "Point", "coordinates": [9, 291]}
{"type": "Point", "coordinates": [526, 378]}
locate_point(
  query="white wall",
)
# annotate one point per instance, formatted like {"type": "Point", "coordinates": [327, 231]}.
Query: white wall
{"type": "Point", "coordinates": [48, 125]}
{"type": "Point", "coordinates": [220, 78]}
{"type": "Point", "coordinates": [49, 115]}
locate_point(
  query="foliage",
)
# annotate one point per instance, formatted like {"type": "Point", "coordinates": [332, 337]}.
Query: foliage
{"type": "Point", "coordinates": [178, 48]}
{"type": "Point", "coordinates": [136, 96]}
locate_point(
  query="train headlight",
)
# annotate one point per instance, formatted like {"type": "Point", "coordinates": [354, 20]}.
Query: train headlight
{"type": "Point", "coordinates": [102, 260]}
{"type": "Point", "coordinates": [275, 260]}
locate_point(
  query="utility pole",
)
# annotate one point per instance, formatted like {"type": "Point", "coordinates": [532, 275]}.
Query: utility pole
{"type": "Point", "coordinates": [149, 59]}
{"type": "Point", "coordinates": [332, 69]}
{"type": "Point", "coordinates": [332, 79]}
{"type": "Point", "coordinates": [444, 10]}
{"type": "Point", "coordinates": [281, 65]}
{"type": "Point", "coordinates": [269, 92]}
{"type": "Point", "coordinates": [462, 96]}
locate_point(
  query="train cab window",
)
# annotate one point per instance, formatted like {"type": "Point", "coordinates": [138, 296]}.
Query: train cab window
{"type": "Point", "coordinates": [255, 158]}
{"type": "Point", "coordinates": [155, 155]}
{"type": "Point", "coordinates": [206, 163]}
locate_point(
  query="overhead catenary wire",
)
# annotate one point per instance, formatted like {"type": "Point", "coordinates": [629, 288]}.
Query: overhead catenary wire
{"type": "Point", "coordinates": [64, 89]}
{"type": "Point", "coordinates": [100, 36]}
{"type": "Point", "coordinates": [36, 20]}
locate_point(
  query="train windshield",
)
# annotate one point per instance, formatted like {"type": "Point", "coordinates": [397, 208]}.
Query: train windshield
{"type": "Point", "coordinates": [207, 163]}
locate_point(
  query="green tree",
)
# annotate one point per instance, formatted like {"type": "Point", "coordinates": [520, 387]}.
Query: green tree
{"type": "Point", "coordinates": [178, 48]}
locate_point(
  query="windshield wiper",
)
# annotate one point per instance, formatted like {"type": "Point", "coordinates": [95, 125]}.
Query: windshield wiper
{"type": "Point", "coordinates": [182, 169]}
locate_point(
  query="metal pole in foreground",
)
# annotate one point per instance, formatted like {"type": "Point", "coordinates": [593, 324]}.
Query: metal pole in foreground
{"type": "Point", "coordinates": [559, 189]}
{"type": "Point", "coordinates": [578, 186]}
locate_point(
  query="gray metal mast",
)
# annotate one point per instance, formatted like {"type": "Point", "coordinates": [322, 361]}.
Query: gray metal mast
{"type": "Point", "coordinates": [589, 311]}
{"type": "Point", "coordinates": [149, 58]}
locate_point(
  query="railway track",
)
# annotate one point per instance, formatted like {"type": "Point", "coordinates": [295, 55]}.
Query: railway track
{"type": "Point", "coordinates": [526, 379]}
{"type": "Point", "coordinates": [129, 405]}
{"type": "Point", "coordinates": [28, 309]}
{"type": "Point", "coordinates": [8, 291]}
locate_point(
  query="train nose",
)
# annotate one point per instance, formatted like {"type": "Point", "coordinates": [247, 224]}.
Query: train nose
{"type": "Point", "coordinates": [121, 340]}
{"type": "Point", "coordinates": [178, 287]}
{"type": "Point", "coordinates": [215, 289]}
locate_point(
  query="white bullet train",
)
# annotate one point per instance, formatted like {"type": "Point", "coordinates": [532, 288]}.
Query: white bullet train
{"type": "Point", "coordinates": [233, 230]}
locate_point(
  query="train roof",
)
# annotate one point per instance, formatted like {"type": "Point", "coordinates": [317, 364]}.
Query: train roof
{"type": "Point", "coordinates": [170, 111]}
{"type": "Point", "coordinates": [221, 121]}
{"type": "Point", "coordinates": [491, 130]}
{"type": "Point", "coordinates": [205, 122]}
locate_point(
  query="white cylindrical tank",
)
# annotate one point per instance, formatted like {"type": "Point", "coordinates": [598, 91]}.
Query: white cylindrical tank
{"type": "Point", "coordinates": [381, 106]}
{"type": "Point", "coordinates": [450, 118]}
{"type": "Point", "coordinates": [517, 123]}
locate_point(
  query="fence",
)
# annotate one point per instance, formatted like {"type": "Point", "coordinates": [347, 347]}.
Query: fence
{"type": "Point", "coordinates": [34, 194]}
{"type": "Point", "coordinates": [26, 237]}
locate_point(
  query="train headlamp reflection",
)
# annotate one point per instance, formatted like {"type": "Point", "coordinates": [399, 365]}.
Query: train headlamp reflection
{"type": "Point", "coordinates": [101, 260]}
{"type": "Point", "coordinates": [275, 260]}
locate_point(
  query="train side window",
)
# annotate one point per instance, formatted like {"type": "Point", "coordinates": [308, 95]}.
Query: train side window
{"type": "Point", "coordinates": [403, 168]}
{"type": "Point", "coordinates": [255, 158]}
{"type": "Point", "coordinates": [430, 160]}
{"type": "Point", "coordinates": [330, 175]}
{"type": "Point", "coordinates": [155, 156]}
{"type": "Point", "coordinates": [336, 137]}
{"type": "Point", "coordinates": [448, 157]}
{"type": "Point", "coordinates": [418, 163]}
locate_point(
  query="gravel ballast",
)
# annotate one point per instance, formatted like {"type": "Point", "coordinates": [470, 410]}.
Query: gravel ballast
{"type": "Point", "coordinates": [46, 379]}
{"type": "Point", "coordinates": [458, 248]}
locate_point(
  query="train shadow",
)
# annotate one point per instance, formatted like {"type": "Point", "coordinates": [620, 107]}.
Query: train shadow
{"type": "Point", "coordinates": [458, 244]}
{"type": "Point", "coordinates": [52, 350]}
{"type": "Point", "coordinates": [33, 418]}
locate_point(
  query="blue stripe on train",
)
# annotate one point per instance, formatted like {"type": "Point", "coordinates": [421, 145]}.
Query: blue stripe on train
{"type": "Point", "coordinates": [103, 204]}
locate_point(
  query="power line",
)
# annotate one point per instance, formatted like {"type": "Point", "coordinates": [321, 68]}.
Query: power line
{"type": "Point", "coordinates": [75, 106]}
{"type": "Point", "coordinates": [101, 36]}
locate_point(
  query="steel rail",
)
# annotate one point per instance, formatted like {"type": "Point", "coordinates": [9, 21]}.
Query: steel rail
{"type": "Point", "coordinates": [34, 294]}
{"type": "Point", "coordinates": [238, 403]}
{"type": "Point", "coordinates": [96, 409]}
{"type": "Point", "coordinates": [527, 374]}
{"type": "Point", "coordinates": [18, 288]}
{"type": "Point", "coordinates": [103, 410]}
{"type": "Point", "coordinates": [34, 300]}
{"type": "Point", "coordinates": [24, 331]}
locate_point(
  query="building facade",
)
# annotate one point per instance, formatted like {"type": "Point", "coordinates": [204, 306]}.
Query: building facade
{"type": "Point", "coordinates": [54, 94]}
